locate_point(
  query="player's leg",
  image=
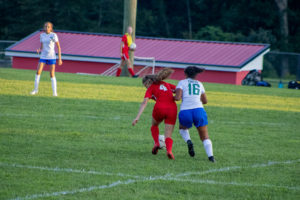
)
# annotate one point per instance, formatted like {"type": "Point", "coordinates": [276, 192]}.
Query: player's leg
{"type": "Point", "coordinates": [207, 144]}
{"type": "Point", "coordinates": [130, 68]}
{"type": "Point", "coordinates": [169, 142]}
{"type": "Point", "coordinates": [186, 122]}
{"type": "Point", "coordinates": [53, 79]}
{"type": "Point", "coordinates": [37, 78]}
{"type": "Point", "coordinates": [170, 121]}
{"type": "Point", "coordinates": [200, 121]}
{"type": "Point", "coordinates": [155, 135]}
{"type": "Point", "coordinates": [120, 67]}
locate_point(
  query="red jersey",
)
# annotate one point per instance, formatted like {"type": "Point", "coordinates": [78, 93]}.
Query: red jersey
{"type": "Point", "coordinates": [127, 40]}
{"type": "Point", "coordinates": [162, 92]}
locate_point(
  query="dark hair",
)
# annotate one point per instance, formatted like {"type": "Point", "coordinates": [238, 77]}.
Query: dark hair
{"type": "Point", "coordinates": [161, 75]}
{"type": "Point", "coordinates": [192, 71]}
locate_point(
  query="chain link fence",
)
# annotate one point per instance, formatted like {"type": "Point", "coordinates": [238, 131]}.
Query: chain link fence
{"type": "Point", "coordinates": [5, 61]}
{"type": "Point", "coordinates": [281, 66]}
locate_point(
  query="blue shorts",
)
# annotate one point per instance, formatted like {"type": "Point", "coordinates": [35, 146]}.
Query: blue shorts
{"type": "Point", "coordinates": [48, 61]}
{"type": "Point", "coordinates": [197, 116]}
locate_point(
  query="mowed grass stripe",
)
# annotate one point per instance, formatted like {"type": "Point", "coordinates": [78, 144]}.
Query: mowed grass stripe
{"type": "Point", "coordinates": [264, 102]}
{"type": "Point", "coordinates": [135, 94]}
{"type": "Point", "coordinates": [76, 90]}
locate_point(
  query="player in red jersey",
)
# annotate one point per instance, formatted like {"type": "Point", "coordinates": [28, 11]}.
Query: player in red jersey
{"type": "Point", "coordinates": [165, 108]}
{"type": "Point", "coordinates": [124, 48]}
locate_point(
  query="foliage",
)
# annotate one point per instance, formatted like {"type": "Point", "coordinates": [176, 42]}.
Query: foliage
{"type": "Point", "coordinates": [261, 36]}
{"type": "Point", "coordinates": [217, 34]}
{"type": "Point", "coordinates": [231, 20]}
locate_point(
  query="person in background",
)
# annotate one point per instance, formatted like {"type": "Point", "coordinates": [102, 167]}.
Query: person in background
{"type": "Point", "coordinates": [193, 96]}
{"type": "Point", "coordinates": [124, 52]}
{"type": "Point", "coordinates": [48, 41]}
{"type": "Point", "coordinates": [165, 108]}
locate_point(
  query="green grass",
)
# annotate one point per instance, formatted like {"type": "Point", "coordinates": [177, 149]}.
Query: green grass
{"type": "Point", "coordinates": [44, 140]}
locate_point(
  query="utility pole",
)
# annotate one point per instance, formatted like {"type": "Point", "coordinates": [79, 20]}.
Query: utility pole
{"type": "Point", "coordinates": [298, 68]}
{"type": "Point", "coordinates": [129, 19]}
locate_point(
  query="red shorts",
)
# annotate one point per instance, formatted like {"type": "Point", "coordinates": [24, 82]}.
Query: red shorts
{"type": "Point", "coordinates": [125, 55]}
{"type": "Point", "coordinates": [169, 114]}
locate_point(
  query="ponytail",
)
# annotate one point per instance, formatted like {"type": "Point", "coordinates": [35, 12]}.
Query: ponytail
{"type": "Point", "coordinates": [155, 78]}
{"type": "Point", "coordinates": [192, 71]}
{"type": "Point", "coordinates": [163, 74]}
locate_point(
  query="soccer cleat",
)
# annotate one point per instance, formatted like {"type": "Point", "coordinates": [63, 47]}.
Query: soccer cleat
{"type": "Point", "coordinates": [135, 76]}
{"type": "Point", "coordinates": [191, 148]}
{"type": "Point", "coordinates": [155, 149]}
{"type": "Point", "coordinates": [33, 92]}
{"type": "Point", "coordinates": [211, 159]}
{"type": "Point", "coordinates": [170, 155]}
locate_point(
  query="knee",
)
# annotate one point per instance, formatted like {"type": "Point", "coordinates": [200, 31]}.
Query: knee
{"type": "Point", "coordinates": [181, 127]}
{"type": "Point", "coordinates": [154, 126]}
{"type": "Point", "coordinates": [204, 137]}
{"type": "Point", "coordinates": [39, 71]}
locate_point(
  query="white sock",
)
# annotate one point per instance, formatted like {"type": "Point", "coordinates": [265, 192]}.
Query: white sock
{"type": "Point", "coordinates": [185, 134]}
{"type": "Point", "coordinates": [53, 81]}
{"type": "Point", "coordinates": [36, 82]}
{"type": "Point", "coordinates": [208, 147]}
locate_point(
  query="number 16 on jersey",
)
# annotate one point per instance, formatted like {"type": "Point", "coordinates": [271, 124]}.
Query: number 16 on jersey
{"type": "Point", "coordinates": [194, 89]}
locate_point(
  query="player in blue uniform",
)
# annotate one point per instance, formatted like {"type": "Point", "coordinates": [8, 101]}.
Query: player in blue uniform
{"type": "Point", "coordinates": [193, 96]}
{"type": "Point", "coordinates": [48, 41]}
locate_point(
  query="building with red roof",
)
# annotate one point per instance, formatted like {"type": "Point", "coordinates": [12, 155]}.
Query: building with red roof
{"type": "Point", "coordinates": [97, 53]}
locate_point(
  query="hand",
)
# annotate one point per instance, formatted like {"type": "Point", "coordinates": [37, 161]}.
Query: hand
{"type": "Point", "coordinates": [38, 51]}
{"type": "Point", "coordinates": [121, 55]}
{"type": "Point", "coordinates": [134, 121]}
{"type": "Point", "coordinates": [60, 62]}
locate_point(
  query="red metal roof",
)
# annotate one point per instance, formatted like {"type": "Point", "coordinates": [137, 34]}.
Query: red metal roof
{"type": "Point", "coordinates": [164, 50]}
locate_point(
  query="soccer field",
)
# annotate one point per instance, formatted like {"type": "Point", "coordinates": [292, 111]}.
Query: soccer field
{"type": "Point", "coordinates": [81, 144]}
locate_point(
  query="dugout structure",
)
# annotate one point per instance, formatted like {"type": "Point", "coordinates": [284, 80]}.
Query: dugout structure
{"type": "Point", "coordinates": [96, 53]}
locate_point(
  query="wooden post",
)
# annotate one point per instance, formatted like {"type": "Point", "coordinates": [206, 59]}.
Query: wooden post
{"type": "Point", "coordinates": [130, 9]}
{"type": "Point", "coordinates": [298, 68]}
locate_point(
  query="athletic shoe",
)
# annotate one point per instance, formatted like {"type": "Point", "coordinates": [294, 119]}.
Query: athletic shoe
{"type": "Point", "coordinates": [170, 155]}
{"type": "Point", "coordinates": [135, 76]}
{"type": "Point", "coordinates": [33, 92]}
{"type": "Point", "coordinates": [55, 94]}
{"type": "Point", "coordinates": [155, 150]}
{"type": "Point", "coordinates": [191, 148]}
{"type": "Point", "coordinates": [211, 159]}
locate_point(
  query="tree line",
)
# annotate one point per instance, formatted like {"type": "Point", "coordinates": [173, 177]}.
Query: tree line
{"type": "Point", "coordinates": [276, 22]}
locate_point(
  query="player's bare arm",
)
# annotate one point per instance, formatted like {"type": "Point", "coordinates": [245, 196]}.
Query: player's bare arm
{"type": "Point", "coordinates": [178, 94]}
{"type": "Point", "coordinates": [59, 53]}
{"type": "Point", "coordinates": [121, 46]}
{"type": "Point", "coordinates": [141, 110]}
{"type": "Point", "coordinates": [203, 98]}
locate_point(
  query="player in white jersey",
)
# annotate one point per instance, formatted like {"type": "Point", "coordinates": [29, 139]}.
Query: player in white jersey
{"type": "Point", "coordinates": [48, 41]}
{"type": "Point", "coordinates": [193, 96]}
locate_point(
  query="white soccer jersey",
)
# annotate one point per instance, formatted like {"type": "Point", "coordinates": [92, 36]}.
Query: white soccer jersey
{"type": "Point", "coordinates": [191, 93]}
{"type": "Point", "coordinates": [48, 41]}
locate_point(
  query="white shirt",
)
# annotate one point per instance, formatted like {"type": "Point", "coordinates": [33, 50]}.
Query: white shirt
{"type": "Point", "coordinates": [48, 41]}
{"type": "Point", "coordinates": [191, 93]}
